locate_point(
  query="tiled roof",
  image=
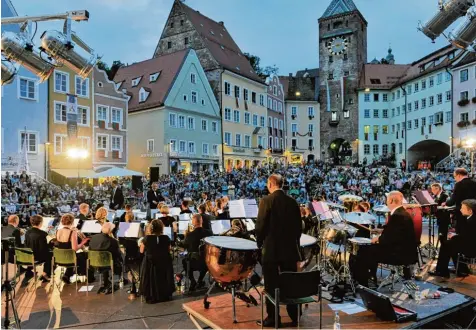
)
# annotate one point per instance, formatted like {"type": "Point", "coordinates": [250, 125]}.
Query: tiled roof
{"type": "Point", "coordinates": [469, 58]}
{"type": "Point", "coordinates": [312, 72]}
{"type": "Point", "coordinates": [382, 76]}
{"type": "Point", "coordinates": [220, 44]}
{"type": "Point", "coordinates": [169, 65]}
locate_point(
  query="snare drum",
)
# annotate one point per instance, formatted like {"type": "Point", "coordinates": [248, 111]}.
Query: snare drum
{"type": "Point", "coordinates": [230, 259]}
{"type": "Point", "coordinates": [356, 243]}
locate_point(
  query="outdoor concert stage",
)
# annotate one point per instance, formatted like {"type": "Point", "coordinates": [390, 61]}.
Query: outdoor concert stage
{"type": "Point", "coordinates": [81, 311]}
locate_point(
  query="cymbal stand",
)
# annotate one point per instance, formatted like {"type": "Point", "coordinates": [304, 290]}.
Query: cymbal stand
{"type": "Point", "coordinates": [344, 268]}
{"type": "Point", "coordinates": [430, 246]}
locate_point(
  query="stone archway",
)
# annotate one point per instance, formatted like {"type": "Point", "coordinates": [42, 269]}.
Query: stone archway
{"type": "Point", "coordinates": [427, 150]}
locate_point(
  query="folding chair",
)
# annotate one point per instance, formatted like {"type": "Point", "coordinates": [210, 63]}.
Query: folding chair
{"type": "Point", "coordinates": [25, 257]}
{"type": "Point", "coordinates": [100, 260]}
{"type": "Point", "coordinates": [65, 258]}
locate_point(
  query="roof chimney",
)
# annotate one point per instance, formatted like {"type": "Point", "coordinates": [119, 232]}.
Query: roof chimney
{"type": "Point", "coordinates": [221, 23]}
{"type": "Point", "coordinates": [290, 75]}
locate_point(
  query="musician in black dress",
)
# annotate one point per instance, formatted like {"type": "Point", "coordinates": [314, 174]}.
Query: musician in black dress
{"type": "Point", "coordinates": [192, 245]}
{"type": "Point", "coordinates": [157, 274]}
{"type": "Point", "coordinates": [463, 242]}
{"type": "Point", "coordinates": [442, 217]}
{"type": "Point", "coordinates": [206, 219]}
{"type": "Point", "coordinates": [35, 239]}
{"type": "Point", "coordinates": [465, 188]}
{"type": "Point", "coordinates": [278, 232]}
{"type": "Point", "coordinates": [396, 244]}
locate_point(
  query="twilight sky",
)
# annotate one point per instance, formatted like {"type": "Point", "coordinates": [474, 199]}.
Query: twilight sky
{"type": "Point", "coordinates": [280, 32]}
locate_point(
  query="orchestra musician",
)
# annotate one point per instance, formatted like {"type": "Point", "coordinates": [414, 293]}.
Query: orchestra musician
{"type": "Point", "coordinates": [128, 209]}
{"type": "Point", "coordinates": [184, 207]}
{"type": "Point", "coordinates": [12, 230]}
{"type": "Point", "coordinates": [67, 238]}
{"type": "Point", "coordinates": [396, 244]}
{"type": "Point", "coordinates": [205, 217]}
{"type": "Point", "coordinates": [117, 198]}
{"type": "Point", "coordinates": [442, 217]}
{"type": "Point", "coordinates": [83, 215]}
{"type": "Point", "coordinates": [166, 219]}
{"type": "Point", "coordinates": [464, 242]}
{"type": "Point", "coordinates": [35, 239]}
{"type": "Point", "coordinates": [192, 243]}
{"type": "Point", "coordinates": [237, 229]}
{"type": "Point", "coordinates": [278, 232]}
{"type": "Point", "coordinates": [105, 242]}
{"type": "Point", "coordinates": [465, 188]}
{"type": "Point", "coordinates": [101, 215]}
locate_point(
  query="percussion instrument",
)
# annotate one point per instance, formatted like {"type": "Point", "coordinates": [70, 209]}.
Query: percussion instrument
{"type": "Point", "coordinates": [429, 209]}
{"type": "Point", "coordinates": [346, 198]}
{"type": "Point", "coordinates": [417, 216]}
{"type": "Point", "coordinates": [381, 209]}
{"type": "Point", "coordinates": [337, 206]}
{"type": "Point", "coordinates": [359, 218]}
{"type": "Point", "coordinates": [356, 243]}
{"type": "Point", "coordinates": [230, 259]}
{"type": "Point", "coordinates": [337, 233]}
{"type": "Point", "coordinates": [308, 244]}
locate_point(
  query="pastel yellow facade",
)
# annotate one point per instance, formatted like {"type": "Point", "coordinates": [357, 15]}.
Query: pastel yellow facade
{"type": "Point", "coordinates": [244, 118]}
{"type": "Point", "coordinates": [61, 83]}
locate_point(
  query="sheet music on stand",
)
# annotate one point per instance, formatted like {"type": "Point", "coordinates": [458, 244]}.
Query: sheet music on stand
{"type": "Point", "coordinates": [185, 217]}
{"type": "Point", "coordinates": [75, 224]}
{"type": "Point", "coordinates": [168, 232]}
{"type": "Point", "coordinates": [321, 209]}
{"type": "Point", "coordinates": [183, 226]}
{"type": "Point", "coordinates": [175, 211]}
{"type": "Point", "coordinates": [336, 217]}
{"type": "Point", "coordinates": [91, 227]}
{"type": "Point", "coordinates": [424, 198]}
{"type": "Point", "coordinates": [153, 213]}
{"type": "Point", "coordinates": [250, 224]}
{"type": "Point", "coordinates": [47, 222]}
{"type": "Point", "coordinates": [129, 229]}
{"type": "Point", "coordinates": [243, 208]}
{"type": "Point", "coordinates": [220, 226]}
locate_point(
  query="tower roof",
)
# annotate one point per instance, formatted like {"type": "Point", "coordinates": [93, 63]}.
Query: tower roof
{"type": "Point", "coordinates": [338, 7]}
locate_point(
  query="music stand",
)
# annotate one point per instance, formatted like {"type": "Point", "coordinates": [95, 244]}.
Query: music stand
{"type": "Point", "coordinates": [424, 198]}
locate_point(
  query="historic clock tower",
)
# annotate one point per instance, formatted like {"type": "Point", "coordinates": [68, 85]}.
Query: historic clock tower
{"type": "Point", "coordinates": [342, 54]}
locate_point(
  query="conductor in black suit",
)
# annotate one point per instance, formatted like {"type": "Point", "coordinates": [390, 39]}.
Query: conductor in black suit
{"type": "Point", "coordinates": [465, 188]}
{"type": "Point", "coordinates": [278, 232]}
{"type": "Point", "coordinates": [442, 217]}
{"type": "Point", "coordinates": [117, 198]}
{"type": "Point", "coordinates": [154, 197]}
{"type": "Point", "coordinates": [396, 244]}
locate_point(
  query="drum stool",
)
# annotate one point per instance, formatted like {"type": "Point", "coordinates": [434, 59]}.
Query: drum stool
{"type": "Point", "coordinates": [395, 276]}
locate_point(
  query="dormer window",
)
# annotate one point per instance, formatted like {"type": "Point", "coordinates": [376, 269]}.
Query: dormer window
{"type": "Point", "coordinates": [238, 68]}
{"type": "Point", "coordinates": [213, 33]}
{"type": "Point", "coordinates": [136, 81]}
{"type": "Point", "coordinates": [143, 94]}
{"type": "Point", "coordinates": [154, 76]}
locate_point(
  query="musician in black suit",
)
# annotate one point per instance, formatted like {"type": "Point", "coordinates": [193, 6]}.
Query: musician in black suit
{"type": "Point", "coordinates": [465, 188]}
{"type": "Point", "coordinates": [442, 217]}
{"type": "Point", "coordinates": [35, 239]}
{"type": "Point", "coordinates": [105, 242]}
{"type": "Point", "coordinates": [278, 232]}
{"type": "Point", "coordinates": [464, 242]}
{"type": "Point", "coordinates": [154, 197]}
{"type": "Point", "coordinates": [396, 244]}
{"type": "Point", "coordinates": [83, 215]}
{"type": "Point", "coordinates": [206, 219]}
{"type": "Point", "coordinates": [192, 245]}
{"type": "Point", "coordinates": [12, 230]}
{"type": "Point", "coordinates": [117, 198]}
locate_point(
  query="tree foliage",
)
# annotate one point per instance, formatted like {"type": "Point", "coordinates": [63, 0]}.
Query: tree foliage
{"type": "Point", "coordinates": [112, 70]}
{"type": "Point", "coordinates": [255, 62]}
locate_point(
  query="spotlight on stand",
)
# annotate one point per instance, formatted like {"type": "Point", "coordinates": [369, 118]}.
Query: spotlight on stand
{"type": "Point", "coordinates": [57, 45]}
{"type": "Point", "coordinates": [449, 11]}
{"type": "Point", "coordinates": [465, 34]}
{"type": "Point", "coordinates": [16, 48]}
{"type": "Point", "coordinates": [8, 71]}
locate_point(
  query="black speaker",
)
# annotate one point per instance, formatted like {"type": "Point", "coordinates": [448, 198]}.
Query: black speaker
{"type": "Point", "coordinates": [137, 183]}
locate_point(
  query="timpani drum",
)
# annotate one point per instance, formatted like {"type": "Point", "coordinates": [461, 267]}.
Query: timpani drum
{"type": "Point", "coordinates": [308, 248]}
{"type": "Point", "coordinates": [337, 233]}
{"type": "Point", "coordinates": [230, 259]}
{"type": "Point", "coordinates": [356, 243]}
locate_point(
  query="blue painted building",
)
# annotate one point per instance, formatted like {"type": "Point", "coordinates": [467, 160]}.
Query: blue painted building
{"type": "Point", "coordinates": [24, 114]}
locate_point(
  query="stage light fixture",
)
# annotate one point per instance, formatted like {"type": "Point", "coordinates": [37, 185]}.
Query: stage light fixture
{"type": "Point", "coordinates": [449, 11]}
{"type": "Point", "coordinates": [64, 51]}
{"type": "Point", "coordinates": [8, 71]}
{"type": "Point", "coordinates": [17, 48]}
{"type": "Point", "coordinates": [465, 34]}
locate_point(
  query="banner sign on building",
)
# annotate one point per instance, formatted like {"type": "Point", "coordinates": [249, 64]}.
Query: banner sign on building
{"type": "Point", "coordinates": [72, 118]}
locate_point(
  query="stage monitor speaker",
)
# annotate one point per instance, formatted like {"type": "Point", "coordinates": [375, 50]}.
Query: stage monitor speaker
{"type": "Point", "coordinates": [137, 183]}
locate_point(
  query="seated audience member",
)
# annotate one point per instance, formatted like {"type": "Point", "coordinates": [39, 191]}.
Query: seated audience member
{"type": "Point", "coordinates": [464, 242]}
{"type": "Point", "coordinates": [35, 239]}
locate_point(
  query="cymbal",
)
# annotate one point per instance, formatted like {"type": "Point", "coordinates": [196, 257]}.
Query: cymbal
{"type": "Point", "coordinates": [359, 218]}
{"type": "Point", "coordinates": [337, 206]}
{"type": "Point", "coordinates": [381, 209]}
{"type": "Point", "coordinates": [345, 198]}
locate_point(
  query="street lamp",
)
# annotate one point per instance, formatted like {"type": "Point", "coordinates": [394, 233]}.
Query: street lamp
{"type": "Point", "coordinates": [469, 144]}
{"type": "Point", "coordinates": [47, 159]}
{"type": "Point", "coordinates": [78, 154]}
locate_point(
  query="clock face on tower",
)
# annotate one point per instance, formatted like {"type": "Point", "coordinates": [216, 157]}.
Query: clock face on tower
{"type": "Point", "coordinates": [337, 46]}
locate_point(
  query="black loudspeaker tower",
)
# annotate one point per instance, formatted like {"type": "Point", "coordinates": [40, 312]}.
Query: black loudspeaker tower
{"type": "Point", "coordinates": [137, 183]}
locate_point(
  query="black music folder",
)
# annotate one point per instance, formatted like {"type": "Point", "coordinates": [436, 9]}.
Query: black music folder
{"type": "Point", "coordinates": [423, 197]}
